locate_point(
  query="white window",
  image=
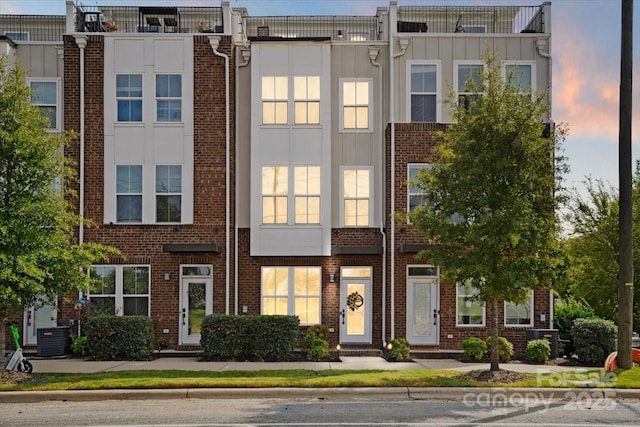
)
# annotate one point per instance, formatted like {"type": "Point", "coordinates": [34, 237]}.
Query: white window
{"type": "Point", "coordinates": [416, 196]}
{"type": "Point", "coordinates": [45, 95]}
{"type": "Point", "coordinates": [168, 193]}
{"type": "Point", "coordinates": [169, 97]}
{"type": "Point", "coordinates": [307, 194]}
{"type": "Point", "coordinates": [355, 105]}
{"type": "Point", "coordinates": [275, 94]}
{"type": "Point", "coordinates": [17, 36]}
{"type": "Point", "coordinates": [306, 92]}
{"type": "Point", "coordinates": [469, 310]}
{"type": "Point", "coordinates": [129, 97]}
{"type": "Point", "coordinates": [424, 91]}
{"type": "Point", "coordinates": [466, 73]}
{"type": "Point", "coordinates": [356, 196]}
{"type": "Point", "coordinates": [293, 291]}
{"type": "Point", "coordinates": [275, 191]}
{"type": "Point", "coordinates": [519, 314]}
{"type": "Point", "coordinates": [129, 193]}
{"type": "Point", "coordinates": [522, 74]}
{"type": "Point", "coordinates": [121, 289]}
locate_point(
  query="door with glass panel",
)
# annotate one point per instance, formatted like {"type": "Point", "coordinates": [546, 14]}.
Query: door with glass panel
{"type": "Point", "coordinates": [355, 305]}
{"type": "Point", "coordinates": [40, 315]}
{"type": "Point", "coordinates": [196, 301]}
{"type": "Point", "coordinates": [422, 305]}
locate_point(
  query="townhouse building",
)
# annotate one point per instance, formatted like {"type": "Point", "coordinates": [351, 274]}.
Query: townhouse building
{"type": "Point", "coordinates": [254, 164]}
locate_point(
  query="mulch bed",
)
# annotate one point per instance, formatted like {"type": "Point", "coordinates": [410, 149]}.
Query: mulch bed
{"type": "Point", "coordinates": [502, 376]}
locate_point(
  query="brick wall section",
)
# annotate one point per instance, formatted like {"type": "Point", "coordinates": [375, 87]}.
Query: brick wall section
{"type": "Point", "coordinates": [415, 143]}
{"type": "Point", "coordinates": [143, 243]}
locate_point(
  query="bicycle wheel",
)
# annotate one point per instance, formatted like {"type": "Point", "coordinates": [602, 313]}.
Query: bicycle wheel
{"type": "Point", "coordinates": [25, 366]}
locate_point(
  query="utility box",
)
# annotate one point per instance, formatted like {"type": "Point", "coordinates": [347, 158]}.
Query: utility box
{"type": "Point", "coordinates": [550, 335]}
{"type": "Point", "coordinates": [53, 341]}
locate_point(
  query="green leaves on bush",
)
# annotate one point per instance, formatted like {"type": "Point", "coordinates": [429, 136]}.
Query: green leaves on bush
{"type": "Point", "coordinates": [565, 312]}
{"type": "Point", "coordinates": [538, 350]}
{"type": "Point", "coordinates": [594, 339]}
{"type": "Point", "coordinates": [474, 348]}
{"type": "Point", "coordinates": [79, 346]}
{"type": "Point", "coordinates": [316, 342]}
{"type": "Point", "coordinates": [505, 348]}
{"type": "Point", "coordinates": [400, 350]}
{"type": "Point", "coordinates": [269, 338]}
{"type": "Point", "coordinates": [112, 337]}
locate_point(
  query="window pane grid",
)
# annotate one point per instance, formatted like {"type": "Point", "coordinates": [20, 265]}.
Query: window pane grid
{"type": "Point", "coordinates": [169, 97]}
{"type": "Point", "coordinates": [123, 290]}
{"type": "Point", "coordinates": [356, 197]}
{"type": "Point", "coordinates": [292, 291]}
{"type": "Point", "coordinates": [355, 105]}
{"type": "Point", "coordinates": [306, 99]}
{"type": "Point", "coordinates": [275, 189]}
{"type": "Point", "coordinates": [423, 92]}
{"type": "Point", "coordinates": [274, 100]}
{"type": "Point", "coordinates": [470, 311]}
{"type": "Point", "coordinates": [129, 193]}
{"type": "Point", "coordinates": [44, 95]}
{"type": "Point", "coordinates": [129, 97]}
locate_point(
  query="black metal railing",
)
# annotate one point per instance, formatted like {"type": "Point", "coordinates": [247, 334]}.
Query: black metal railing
{"type": "Point", "coordinates": [348, 28]}
{"type": "Point", "coordinates": [129, 19]}
{"type": "Point", "coordinates": [41, 28]}
{"type": "Point", "coordinates": [471, 19]}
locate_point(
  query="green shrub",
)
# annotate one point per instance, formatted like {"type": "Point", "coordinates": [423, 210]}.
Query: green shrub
{"type": "Point", "coordinates": [565, 312]}
{"type": "Point", "coordinates": [317, 349]}
{"type": "Point", "coordinates": [270, 338]}
{"type": "Point", "coordinates": [594, 339]}
{"type": "Point", "coordinates": [79, 346]}
{"type": "Point", "coordinates": [474, 348]}
{"type": "Point", "coordinates": [112, 337]}
{"type": "Point", "coordinates": [316, 331]}
{"type": "Point", "coordinates": [538, 350]}
{"type": "Point", "coordinates": [505, 348]}
{"type": "Point", "coordinates": [400, 350]}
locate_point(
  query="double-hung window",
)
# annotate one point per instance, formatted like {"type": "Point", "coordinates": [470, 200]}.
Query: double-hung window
{"type": "Point", "coordinates": [293, 291]}
{"type": "Point", "coordinates": [307, 194]}
{"type": "Point", "coordinates": [44, 95]}
{"type": "Point", "coordinates": [122, 289]}
{"type": "Point", "coordinates": [129, 193]}
{"type": "Point", "coordinates": [275, 93]}
{"type": "Point", "coordinates": [168, 193]}
{"type": "Point", "coordinates": [469, 310]}
{"type": "Point", "coordinates": [356, 196]}
{"type": "Point", "coordinates": [416, 195]}
{"type": "Point", "coordinates": [519, 314]}
{"type": "Point", "coordinates": [169, 97]}
{"type": "Point", "coordinates": [355, 100]}
{"type": "Point", "coordinates": [275, 191]}
{"type": "Point", "coordinates": [423, 80]}
{"type": "Point", "coordinates": [129, 97]}
{"type": "Point", "coordinates": [467, 74]}
{"type": "Point", "coordinates": [306, 93]}
{"type": "Point", "coordinates": [521, 74]}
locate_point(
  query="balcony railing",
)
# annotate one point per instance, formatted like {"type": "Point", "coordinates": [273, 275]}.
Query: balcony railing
{"type": "Point", "coordinates": [128, 19]}
{"type": "Point", "coordinates": [348, 28]}
{"type": "Point", "coordinates": [471, 19]}
{"type": "Point", "coordinates": [40, 28]}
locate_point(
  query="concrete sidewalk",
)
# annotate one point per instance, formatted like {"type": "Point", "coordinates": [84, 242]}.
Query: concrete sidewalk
{"type": "Point", "coordinates": [70, 365]}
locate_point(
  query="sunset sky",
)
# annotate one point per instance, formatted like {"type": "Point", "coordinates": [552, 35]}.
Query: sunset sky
{"type": "Point", "coordinates": [586, 64]}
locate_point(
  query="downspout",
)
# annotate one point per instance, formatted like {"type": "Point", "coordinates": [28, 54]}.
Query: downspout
{"type": "Point", "coordinates": [373, 54]}
{"type": "Point", "coordinates": [246, 58]}
{"type": "Point", "coordinates": [403, 47]}
{"type": "Point", "coordinates": [214, 41]}
{"type": "Point", "coordinates": [81, 41]}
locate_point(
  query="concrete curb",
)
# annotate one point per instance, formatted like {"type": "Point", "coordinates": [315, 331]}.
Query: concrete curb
{"type": "Point", "coordinates": [387, 393]}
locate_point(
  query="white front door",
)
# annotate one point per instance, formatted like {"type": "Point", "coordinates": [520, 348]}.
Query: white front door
{"type": "Point", "coordinates": [422, 305]}
{"type": "Point", "coordinates": [355, 305]}
{"type": "Point", "coordinates": [39, 316]}
{"type": "Point", "coordinates": [196, 301]}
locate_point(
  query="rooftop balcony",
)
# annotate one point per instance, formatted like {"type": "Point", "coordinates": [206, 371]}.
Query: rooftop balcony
{"type": "Point", "coordinates": [348, 28]}
{"type": "Point", "coordinates": [27, 28]}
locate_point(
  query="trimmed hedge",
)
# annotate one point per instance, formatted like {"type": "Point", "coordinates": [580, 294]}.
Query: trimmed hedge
{"type": "Point", "coordinates": [538, 350]}
{"type": "Point", "coordinates": [594, 339]}
{"type": "Point", "coordinates": [565, 312]}
{"type": "Point", "coordinates": [400, 350]}
{"type": "Point", "coordinates": [112, 337]}
{"type": "Point", "coordinates": [269, 338]}
{"type": "Point", "coordinates": [505, 348]}
{"type": "Point", "coordinates": [474, 348]}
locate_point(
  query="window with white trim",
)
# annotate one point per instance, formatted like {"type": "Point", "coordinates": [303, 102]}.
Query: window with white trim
{"type": "Point", "coordinates": [519, 314]}
{"type": "Point", "coordinates": [356, 196]}
{"type": "Point", "coordinates": [44, 95]}
{"type": "Point", "coordinates": [125, 289]}
{"type": "Point", "coordinates": [416, 196]}
{"type": "Point", "coordinates": [306, 94]}
{"type": "Point", "coordinates": [275, 94]}
{"type": "Point", "coordinates": [169, 97]}
{"type": "Point", "coordinates": [469, 310]}
{"type": "Point", "coordinates": [355, 104]}
{"type": "Point", "coordinates": [307, 194]}
{"type": "Point", "coordinates": [522, 74]}
{"type": "Point", "coordinates": [168, 193]}
{"type": "Point", "coordinates": [466, 73]}
{"type": "Point", "coordinates": [275, 192]}
{"type": "Point", "coordinates": [129, 97]}
{"type": "Point", "coordinates": [423, 83]}
{"type": "Point", "coordinates": [129, 193]}
{"type": "Point", "coordinates": [293, 291]}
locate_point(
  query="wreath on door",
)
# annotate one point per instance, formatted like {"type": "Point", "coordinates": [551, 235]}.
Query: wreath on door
{"type": "Point", "coordinates": [354, 301]}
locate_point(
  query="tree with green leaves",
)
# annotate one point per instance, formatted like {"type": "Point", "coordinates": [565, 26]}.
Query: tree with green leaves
{"type": "Point", "coordinates": [39, 256]}
{"type": "Point", "coordinates": [492, 195]}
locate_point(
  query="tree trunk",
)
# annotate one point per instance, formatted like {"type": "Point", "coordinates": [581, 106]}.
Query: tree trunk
{"type": "Point", "coordinates": [495, 359]}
